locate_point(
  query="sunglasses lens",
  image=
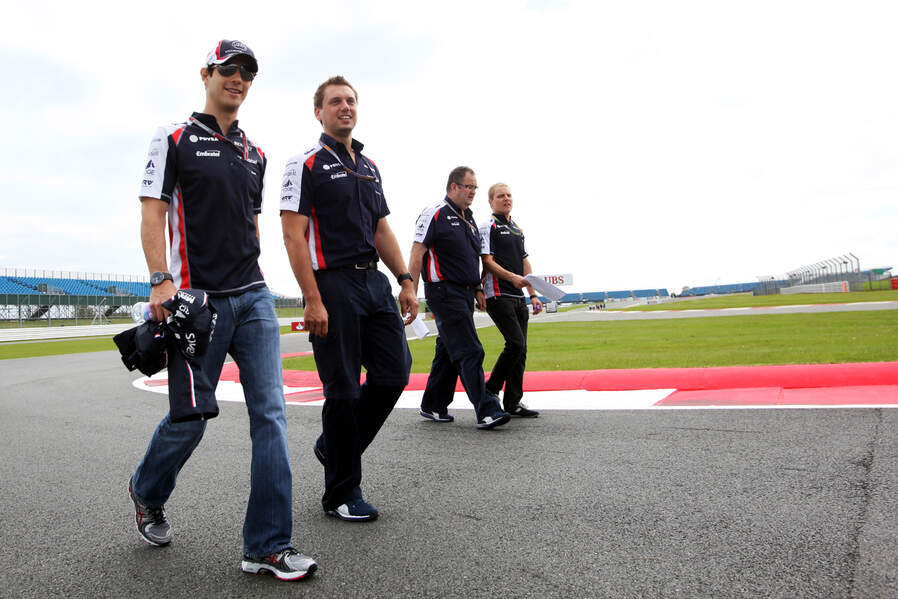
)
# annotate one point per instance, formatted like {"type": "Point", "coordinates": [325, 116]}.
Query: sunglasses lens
{"type": "Point", "coordinates": [229, 69]}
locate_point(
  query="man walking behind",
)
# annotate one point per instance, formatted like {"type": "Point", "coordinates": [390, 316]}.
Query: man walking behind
{"type": "Point", "coordinates": [446, 250]}
{"type": "Point", "coordinates": [203, 179]}
{"type": "Point", "coordinates": [334, 217]}
{"type": "Point", "coordinates": [505, 262]}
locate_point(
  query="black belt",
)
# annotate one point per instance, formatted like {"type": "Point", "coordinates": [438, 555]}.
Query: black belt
{"type": "Point", "coordinates": [462, 285]}
{"type": "Point", "coordinates": [359, 266]}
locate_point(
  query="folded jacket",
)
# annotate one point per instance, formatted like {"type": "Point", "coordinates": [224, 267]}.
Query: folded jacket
{"type": "Point", "coordinates": [177, 344]}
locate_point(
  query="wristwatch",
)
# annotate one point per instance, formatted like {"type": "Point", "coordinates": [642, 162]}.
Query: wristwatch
{"type": "Point", "coordinates": [404, 277]}
{"type": "Point", "coordinates": [157, 277]}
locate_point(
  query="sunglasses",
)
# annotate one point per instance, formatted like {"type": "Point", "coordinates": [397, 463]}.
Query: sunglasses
{"type": "Point", "coordinates": [227, 70]}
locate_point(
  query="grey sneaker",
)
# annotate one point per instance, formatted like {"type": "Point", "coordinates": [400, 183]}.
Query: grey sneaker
{"type": "Point", "coordinates": [287, 564]}
{"type": "Point", "coordinates": [151, 523]}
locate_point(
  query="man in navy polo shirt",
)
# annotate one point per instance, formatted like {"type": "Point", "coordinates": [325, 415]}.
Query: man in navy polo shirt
{"type": "Point", "coordinates": [203, 179]}
{"type": "Point", "coordinates": [505, 262]}
{"type": "Point", "coordinates": [334, 217]}
{"type": "Point", "coordinates": [446, 250]}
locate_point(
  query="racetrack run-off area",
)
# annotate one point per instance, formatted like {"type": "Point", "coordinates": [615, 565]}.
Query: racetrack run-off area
{"type": "Point", "coordinates": [781, 386]}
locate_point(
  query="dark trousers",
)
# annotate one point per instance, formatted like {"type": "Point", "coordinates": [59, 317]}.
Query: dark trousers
{"type": "Point", "coordinates": [364, 329]}
{"type": "Point", "coordinates": [458, 350]}
{"type": "Point", "coordinates": [510, 315]}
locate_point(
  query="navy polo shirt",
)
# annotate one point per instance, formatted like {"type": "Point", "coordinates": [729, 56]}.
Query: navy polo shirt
{"type": "Point", "coordinates": [343, 209]}
{"type": "Point", "coordinates": [214, 192]}
{"type": "Point", "coordinates": [453, 244]}
{"type": "Point", "coordinates": [504, 240]}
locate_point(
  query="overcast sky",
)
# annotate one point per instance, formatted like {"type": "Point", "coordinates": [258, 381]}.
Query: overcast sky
{"type": "Point", "coordinates": [647, 144]}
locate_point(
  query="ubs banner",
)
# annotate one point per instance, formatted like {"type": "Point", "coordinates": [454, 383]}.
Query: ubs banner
{"type": "Point", "coordinates": [559, 280]}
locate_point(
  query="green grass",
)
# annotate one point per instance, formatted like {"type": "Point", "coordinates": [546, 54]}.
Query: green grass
{"type": "Point", "coordinates": [745, 300]}
{"type": "Point", "coordinates": [693, 342]}
{"type": "Point", "coordinates": [31, 349]}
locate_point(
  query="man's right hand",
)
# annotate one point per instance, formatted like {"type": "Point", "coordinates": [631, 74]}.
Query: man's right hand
{"type": "Point", "coordinates": [161, 293]}
{"type": "Point", "coordinates": [315, 318]}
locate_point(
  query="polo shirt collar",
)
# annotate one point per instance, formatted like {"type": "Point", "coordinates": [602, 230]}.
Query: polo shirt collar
{"type": "Point", "coordinates": [467, 211]}
{"type": "Point", "coordinates": [210, 121]}
{"type": "Point", "coordinates": [338, 146]}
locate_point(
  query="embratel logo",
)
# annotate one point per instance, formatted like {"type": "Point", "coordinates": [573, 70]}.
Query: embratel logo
{"type": "Point", "coordinates": [209, 153]}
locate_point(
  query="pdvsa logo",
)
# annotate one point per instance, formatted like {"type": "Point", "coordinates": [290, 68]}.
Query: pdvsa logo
{"type": "Point", "coordinates": [195, 138]}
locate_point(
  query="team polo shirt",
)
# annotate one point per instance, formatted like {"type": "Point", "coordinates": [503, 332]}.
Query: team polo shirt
{"type": "Point", "coordinates": [214, 192]}
{"type": "Point", "coordinates": [453, 244]}
{"type": "Point", "coordinates": [343, 209]}
{"type": "Point", "coordinates": [502, 238]}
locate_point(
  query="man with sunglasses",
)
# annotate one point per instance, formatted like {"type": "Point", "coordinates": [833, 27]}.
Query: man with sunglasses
{"type": "Point", "coordinates": [334, 216]}
{"type": "Point", "coordinates": [203, 179]}
{"type": "Point", "coordinates": [505, 264]}
{"type": "Point", "coordinates": [446, 250]}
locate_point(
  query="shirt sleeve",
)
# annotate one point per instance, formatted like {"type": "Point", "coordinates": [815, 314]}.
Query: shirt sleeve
{"type": "Point", "coordinates": [424, 228]}
{"type": "Point", "coordinates": [296, 186]}
{"type": "Point", "coordinates": [160, 170]}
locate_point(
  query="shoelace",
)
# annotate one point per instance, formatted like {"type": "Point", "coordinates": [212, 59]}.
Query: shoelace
{"type": "Point", "coordinates": [156, 515]}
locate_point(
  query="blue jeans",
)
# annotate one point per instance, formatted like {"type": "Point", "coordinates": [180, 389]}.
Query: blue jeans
{"type": "Point", "coordinates": [248, 330]}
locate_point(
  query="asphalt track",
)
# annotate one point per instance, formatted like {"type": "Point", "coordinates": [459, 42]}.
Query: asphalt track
{"type": "Point", "coordinates": [627, 503]}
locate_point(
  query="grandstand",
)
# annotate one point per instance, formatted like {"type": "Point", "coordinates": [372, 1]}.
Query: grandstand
{"type": "Point", "coordinates": [601, 296]}
{"type": "Point", "coordinates": [72, 285]}
{"type": "Point", "coordinates": [729, 288]}
{"type": "Point", "coordinates": [53, 297]}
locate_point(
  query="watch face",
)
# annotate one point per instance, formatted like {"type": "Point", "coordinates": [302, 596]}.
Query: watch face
{"type": "Point", "coordinates": [158, 277]}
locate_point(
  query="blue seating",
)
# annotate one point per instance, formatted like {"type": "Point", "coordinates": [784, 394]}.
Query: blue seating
{"type": "Point", "coordinates": [595, 296]}
{"type": "Point", "coordinates": [64, 286]}
{"type": "Point", "coordinates": [10, 286]}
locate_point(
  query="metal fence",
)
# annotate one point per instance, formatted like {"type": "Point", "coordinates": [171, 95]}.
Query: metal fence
{"type": "Point", "coordinates": [36, 310]}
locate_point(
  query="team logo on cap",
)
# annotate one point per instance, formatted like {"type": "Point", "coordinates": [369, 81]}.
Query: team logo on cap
{"type": "Point", "coordinates": [238, 45]}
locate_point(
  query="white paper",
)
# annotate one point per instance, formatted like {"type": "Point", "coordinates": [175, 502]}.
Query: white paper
{"type": "Point", "coordinates": [543, 288]}
{"type": "Point", "coordinates": [420, 329]}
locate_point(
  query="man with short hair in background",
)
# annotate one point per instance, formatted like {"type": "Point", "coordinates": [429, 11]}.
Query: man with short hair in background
{"type": "Point", "coordinates": [203, 180]}
{"type": "Point", "coordinates": [446, 250]}
{"type": "Point", "coordinates": [506, 264]}
{"type": "Point", "coordinates": [334, 217]}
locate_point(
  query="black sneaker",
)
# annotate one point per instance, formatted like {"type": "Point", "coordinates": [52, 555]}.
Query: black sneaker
{"type": "Point", "coordinates": [151, 523]}
{"type": "Point", "coordinates": [355, 510]}
{"type": "Point", "coordinates": [436, 416]}
{"type": "Point", "coordinates": [495, 418]}
{"type": "Point", "coordinates": [287, 564]}
{"type": "Point", "coordinates": [523, 411]}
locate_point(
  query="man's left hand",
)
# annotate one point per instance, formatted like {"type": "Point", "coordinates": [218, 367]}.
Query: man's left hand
{"type": "Point", "coordinates": [537, 305]}
{"type": "Point", "coordinates": [480, 300]}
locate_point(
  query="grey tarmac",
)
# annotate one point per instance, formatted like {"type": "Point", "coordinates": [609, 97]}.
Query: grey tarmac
{"type": "Point", "coordinates": [698, 503]}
